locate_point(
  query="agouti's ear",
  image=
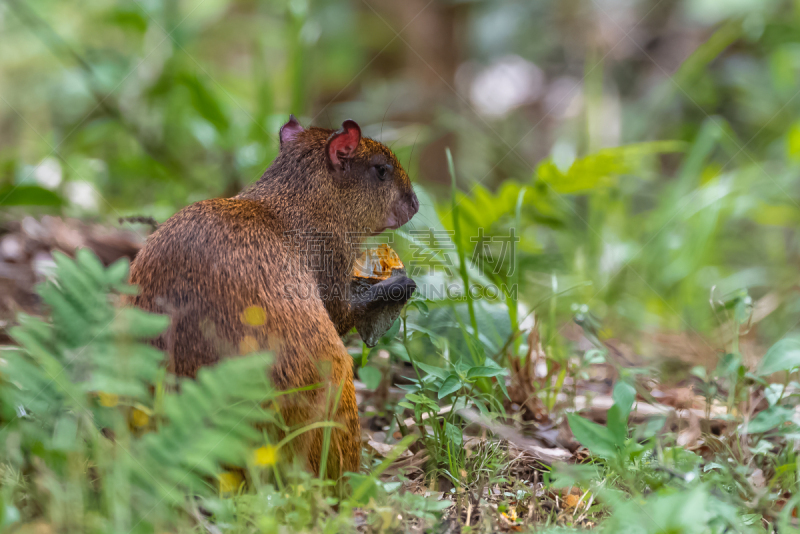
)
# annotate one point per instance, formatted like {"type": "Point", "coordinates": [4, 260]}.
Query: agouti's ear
{"type": "Point", "coordinates": [342, 144]}
{"type": "Point", "coordinates": [290, 130]}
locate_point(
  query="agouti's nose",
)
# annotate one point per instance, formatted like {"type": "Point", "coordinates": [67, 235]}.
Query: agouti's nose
{"type": "Point", "coordinates": [414, 203]}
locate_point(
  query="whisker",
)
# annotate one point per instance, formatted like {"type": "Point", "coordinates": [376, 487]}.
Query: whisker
{"type": "Point", "coordinates": [424, 217]}
{"type": "Point", "coordinates": [411, 155]}
{"type": "Point", "coordinates": [384, 116]}
{"type": "Point", "coordinates": [396, 141]}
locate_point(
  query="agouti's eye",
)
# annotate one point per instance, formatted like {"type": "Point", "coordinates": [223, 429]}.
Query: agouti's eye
{"type": "Point", "coordinates": [383, 171]}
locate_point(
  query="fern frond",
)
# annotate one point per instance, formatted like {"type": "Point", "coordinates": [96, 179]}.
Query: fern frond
{"type": "Point", "coordinates": [79, 373]}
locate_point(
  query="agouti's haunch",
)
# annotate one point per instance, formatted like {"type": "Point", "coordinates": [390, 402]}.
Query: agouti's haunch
{"type": "Point", "coordinates": [270, 269]}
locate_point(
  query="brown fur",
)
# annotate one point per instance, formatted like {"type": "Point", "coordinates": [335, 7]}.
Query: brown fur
{"type": "Point", "coordinates": [264, 248]}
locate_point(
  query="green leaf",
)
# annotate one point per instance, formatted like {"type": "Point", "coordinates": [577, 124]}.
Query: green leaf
{"type": "Point", "coordinates": [205, 102]}
{"type": "Point", "coordinates": [453, 433]}
{"type": "Point", "coordinates": [488, 362]}
{"type": "Point", "coordinates": [87, 261]}
{"type": "Point", "coordinates": [681, 459]}
{"type": "Point", "coordinates": [64, 434]}
{"type": "Point", "coordinates": [729, 364]}
{"type": "Point", "coordinates": [782, 356]}
{"type": "Point", "coordinates": [677, 512]}
{"type": "Point", "coordinates": [502, 385]}
{"type": "Point", "coordinates": [624, 395]}
{"type": "Point", "coordinates": [415, 397]}
{"type": "Point", "coordinates": [481, 407]}
{"type": "Point", "coordinates": [793, 142]}
{"type": "Point", "coordinates": [438, 372]}
{"type": "Point", "coordinates": [434, 505]}
{"type": "Point", "coordinates": [485, 372]}
{"type": "Point", "coordinates": [392, 332]}
{"type": "Point", "coordinates": [773, 393]}
{"type": "Point", "coordinates": [594, 356]}
{"type": "Point", "coordinates": [366, 485]}
{"type": "Point", "coordinates": [117, 272]}
{"type": "Point", "coordinates": [128, 19]}
{"type": "Point", "coordinates": [651, 427]}
{"type": "Point", "coordinates": [617, 424]}
{"type": "Point", "coordinates": [772, 417]}
{"type": "Point", "coordinates": [29, 195]}
{"type": "Point", "coordinates": [139, 323]}
{"type": "Point", "coordinates": [421, 306]}
{"type": "Point", "coordinates": [600, 170]}
{"type": "Point", "coordinates": [397, 349]}
{"type": "Point", "coordinates": [598, 439]}
{"type": "Point", "coordinates": [451, 384]}
{"type": "Point", "coordinates": [371, 376]}
{"type": "Point", "coordinates": [10, 514]}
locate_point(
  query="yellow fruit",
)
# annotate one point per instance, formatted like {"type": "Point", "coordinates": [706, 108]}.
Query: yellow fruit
{"type": "Point", "coordinates": [377, 263]}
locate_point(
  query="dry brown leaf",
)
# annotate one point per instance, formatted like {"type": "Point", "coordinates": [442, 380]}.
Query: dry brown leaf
{"type": "Point", "coordinates": [542, 454]}
{"type": "Point", "coordinates": [408, 466]}
{"type": "Point", "coordinates": [602, 403]}
{"type": "Point", "coordinates": [758, 480]}
{"type": "Point", "coordinates": [677, 397]}
{"type": "Point", "coordinates": [385, 449]}
{"type": "Point", "coordinates": [689, 436]}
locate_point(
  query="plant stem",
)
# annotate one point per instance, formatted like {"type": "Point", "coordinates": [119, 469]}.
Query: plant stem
{"type": "Point", "coordinates": [512, 300]}
{"type": "Point", "coordinates": [462, 263]}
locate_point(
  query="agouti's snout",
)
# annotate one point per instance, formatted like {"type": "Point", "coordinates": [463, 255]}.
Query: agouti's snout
{"type": "Point", "coordinates": [403, 211]}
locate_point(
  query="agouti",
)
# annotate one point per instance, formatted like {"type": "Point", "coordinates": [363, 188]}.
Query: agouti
{"type": "Point", "coordinates": [270, 269]}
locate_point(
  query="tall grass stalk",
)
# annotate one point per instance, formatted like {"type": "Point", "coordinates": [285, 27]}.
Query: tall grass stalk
{"type": "Point", "coordinates": [462, 262]}
{"type": "Point", "coordinates": [512, 298]}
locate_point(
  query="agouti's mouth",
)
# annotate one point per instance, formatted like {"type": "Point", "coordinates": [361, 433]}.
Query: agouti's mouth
{"type": "Point", "coordinates": [379, 232]}
{"type": "Point", "coordinates": [392, 223]}
{"type": "Point", "coordinates": [401, 214]}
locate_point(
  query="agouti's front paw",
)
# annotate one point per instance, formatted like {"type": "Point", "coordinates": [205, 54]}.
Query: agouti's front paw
{"type": "Point", "coordinates": [396, 289]}
{"type": "Point", "coordinates": [379, 305]}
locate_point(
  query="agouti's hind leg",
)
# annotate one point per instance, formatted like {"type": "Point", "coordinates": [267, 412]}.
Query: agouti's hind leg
{"type": "Point", "coordinates": [343, 441]}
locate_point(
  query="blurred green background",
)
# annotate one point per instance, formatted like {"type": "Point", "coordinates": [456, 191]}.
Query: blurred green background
{"type": "Point", "coordinates": [646, 152]}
